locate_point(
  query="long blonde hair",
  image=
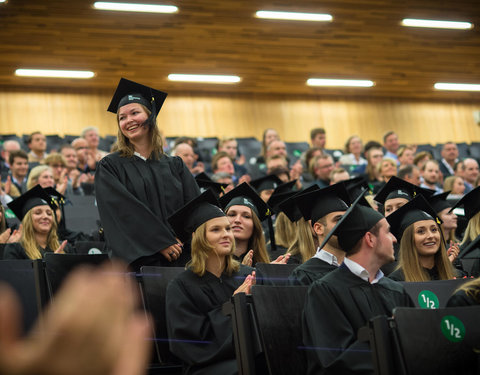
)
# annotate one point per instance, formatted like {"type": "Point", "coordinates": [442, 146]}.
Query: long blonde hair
{"type": "Point", "coordinates": [285, 231]}
{"type": "Point", "coordinates": [473, 229]}
{"type": "Point", "coordinates": [35, 174]}
{"type": "Point", "coordinates": [472, 289]}
{"type": "Point", "coordinates": [202, 249]}
{"type": "Point", "coordinates": [126, 149]}
{"type": "Point", "coordinates": [410, 264]}
{"type": "Point", "coordinates": [28, 241]}
{"type": "Point", "coordinates": [303, 243]}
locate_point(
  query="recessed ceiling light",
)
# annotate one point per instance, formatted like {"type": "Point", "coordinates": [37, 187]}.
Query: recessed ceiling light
{"type": "Point", "coordinates": [206, 78]}
{"type": "Point", "coordinates": [340, 82]}
{"type": "Point", "coordinates": [54, 73]}
{"type": "Point", "coordinates": [3, 1]}
{"type": "Point", "coordinates": [294, 16]}
{"type": "Point", "coordinates": [457, 86]}
{"type": "Point", "coordinates": [132, 7]}
{"type": "Point", "coordinates": [436, 24]}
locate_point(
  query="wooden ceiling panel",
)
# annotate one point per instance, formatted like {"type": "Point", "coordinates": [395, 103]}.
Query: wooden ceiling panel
{"type": "Point", "coordinates": [364, 41]}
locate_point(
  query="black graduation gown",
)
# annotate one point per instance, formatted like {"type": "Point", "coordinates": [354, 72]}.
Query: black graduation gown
{"type": "Point", "coordinates": [336, 306]}
{"type": "Point", "coordinates": [135, 198]}
{"type": "Point", "coordinates": [199, 333]}
{"type": "Point", "coordinates": [461, 298]}
{"type": "Point", "coordinates": [398, 275]}
{"type": "Point", "coordinates": [16, 251]}
{"type": "Point", "coordinates": [313, 269]}
{"type": "Point", "coordinates": [469, 257]}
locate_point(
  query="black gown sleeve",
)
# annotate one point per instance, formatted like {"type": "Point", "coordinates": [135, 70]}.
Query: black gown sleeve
{"type": "Point", "coordinates": [461, 298]}
{"type": "Point", "coordinates": [14, 251]}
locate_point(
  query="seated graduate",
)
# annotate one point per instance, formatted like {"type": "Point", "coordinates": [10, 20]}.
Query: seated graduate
{"type": "Point", "coordinates": [39, 233]}
{"type": "Point", "coordinates": [305, 243]}
{"type": "Point", "coordinates": [467, 295]}
{"type": "Point", "coordinates": [341, 302]}
{"type": "Point", "coordinates": [423, 256]}
{"type": "Point", "coordinates": [470, 245]}
{"type": "Point", "coordinates": [245, 210]}
{"type": "Point", "coordinates": [284, 229]}
{"type": "Point", "coordinates": [323, 209]}
{"type": "Point", "coordinates": [199, 333]}
{"type": "Point", "coordinates": [392, 196]}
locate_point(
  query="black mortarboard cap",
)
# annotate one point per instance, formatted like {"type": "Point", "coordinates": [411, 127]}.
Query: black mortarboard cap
{"type": "Point", "coordinates": [289, 206]}
{"type": "Point", "coordinates": [204, 182]}
{"type": "Point", "coordinates": [281, 193]}
{"type": "Point", "coordinates": [353, 225]}
{"type": "Point", "coordinates": [270, 181]}
{"type": "Point", "coordinates": [58, 198]}
{"type": "Point", "coordinates": [355, 187]}
{"type": "Point", "coordinates": [132, 92]}
{"type": "Point", "coordinates": [317, 204]}
{"type": "Point", "coordinates": [398, 188]}
{"type": "Point", "coordinates": [416, 210]}
{"type": "Point", "coordinates": [196, 212]}
{"type": "Point", "coordinates": [244, 195]}
{"type": "Point", "coordinates": [470, 203]}
{"type": "Point", "coordinates": [439, 201]}
{"type": "Point", "coordinates": [34, 197]}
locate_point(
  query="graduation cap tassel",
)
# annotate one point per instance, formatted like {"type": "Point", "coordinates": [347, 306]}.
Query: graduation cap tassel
{"type": "Point", "coordinates": [273, 246]}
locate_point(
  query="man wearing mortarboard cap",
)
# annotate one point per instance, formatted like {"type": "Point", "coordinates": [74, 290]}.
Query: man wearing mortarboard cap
{"type": "Point", "coordinates": [138, 186]}
{"type": "Point", "coordinates": [323, 208]}
{"type": "Point", "coordinates": [341, 302]}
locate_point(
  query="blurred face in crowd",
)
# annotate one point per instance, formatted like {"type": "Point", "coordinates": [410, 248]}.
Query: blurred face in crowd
{"type": "Point", "coordinates": [431, 173]}
{"type": "Point", "coordinates": [276, 163]}
{"type": "Point", "coordinates": [391, 143]}
{"type": "Point", "coordinates": [185, 151]}
{"type": "Point", "coordinates": [449, 219]}
{"type": "Point", "coordinates": [323, 168]}
{"type": "Point", "coordinates": [470, 172]}
{"type": "Point", "coordinates": [38, 143]}
{"type": "Point", "coordinates": [92, 137]}
{"type": "Point", "coordinates": [81, 147]}
{"type": "Point", "coordinates": [8, 147]}
{"type": "Point", "coordinates": [45, 179]}
{"type": "Point", "coordinates": [70, 156]}
{"type": "Point", "coordinates": [374, 156]}
{"type": "Point", "coordinates": [458, 186]}
{"type": "Point", "coordinates": [407, 157]}
{"type": "Point", "coordinates": [393, 204]}
{"type": "Point", "coordinates": [414, 178]}
{"type": "Point", "coordinates": [225, 165]}
{"type": "Point", "coordinates": [230, 147]}
{"type": "Point", "coordinates": [57, 169]}
{"type": "Point", "coordinates": [450, 152]}
{"type": "Point", "coordinates": [277, 147]}
{"type": "Point", "coordinates": [19, 167]}
{"type": "Point", "coordinates": [355, 146]}
{"type": "Point", "coordinates": [270, 135]}
{"type": "Point", "coordinates": [388, 169]}
{"type": "Point", "coordinates": [319, 140]}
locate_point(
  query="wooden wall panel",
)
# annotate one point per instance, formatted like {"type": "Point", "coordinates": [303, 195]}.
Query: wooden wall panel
{"type": "Point", "coordinates": [55, 112]}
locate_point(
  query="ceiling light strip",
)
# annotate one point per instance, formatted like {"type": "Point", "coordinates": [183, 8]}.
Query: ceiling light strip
{"type": "Point", "coordinates": [205, 78]}
{"type": "Point", "coordinates": [54, 73]}
{"type": "Point", "coordinates": [412, 22]}
{"type": "Point", "coordinates": [132, 7]}
{"type": "Point", "coordinates": [339, 82]}
{"type": "Point", "coordinates": [293, 16]}
{"type": "Point", "coordinates": [457, 86]}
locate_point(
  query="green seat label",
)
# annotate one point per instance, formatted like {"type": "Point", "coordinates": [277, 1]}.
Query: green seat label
{"type": "Point", "coordinates": [453, 328]}
{"type": "Point", "coordinates": [428, 300]}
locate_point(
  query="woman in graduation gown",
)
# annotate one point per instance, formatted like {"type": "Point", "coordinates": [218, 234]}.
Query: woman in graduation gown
{"type": "Point", "coordinates": [423, 255]}
{"type": "Point", "coordinates": [199, 333]}
{"type": "Point", "coordinates": [138, 186]}
{"type": "Point", "coordinates": [467, 295]}
{"type": "Point", "coordinates": [39, 233]}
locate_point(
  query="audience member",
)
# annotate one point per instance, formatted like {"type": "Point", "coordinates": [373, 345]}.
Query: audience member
{"type": "Point", "coordinates": [387, 168]}
{"type": "Point", "coordinates": [466, 295]}
{"type": "Point", "coordinates": [410, 173]}
{"type": "Point", "coordinates": [75, 177]}
{"type": "Point", "coordinates": [7, 147]}
{"type": "Point", "coordinates": [391, 145]}
{"type": "Point", "coordinates": [455, 185]}
{"type": "Point", "coordinates": [470, 173]}
{"type": "Point", "coordinates": [186, 153]}
{"type": "Point", "coordinates": [18, 161]}
{"type": "Point", "coordinates": [86, 159]}
{"type": "Point", "coordinates": [318, 138]}
{"type": "Point", "coordinates": [405, 156]}
{"type": "Point", "coordinates": [90, 134]}
{"type": "Point", "coordinates": [41, 175]}
{"type": "Point", "coordinates": [37, 143]}
{"type": "Point", "coordinates": [230, 146]}
{"type": "Point", "coordinates": [353, 152]}
{"type": "Point", "coordinates": [449, 158]}
{"type": "Point", "coordinates": [224, 178]}
{"type": "Point", "coordinates": [337, 175]}
{"type": "Point", "coordinates": [221, 162]}
{"type": "Point", "coordinates": [431, 176]}
{"type": "Point", "coordinates": [322, 166]}
{"type": "Point", "coordinates": [374, 155]}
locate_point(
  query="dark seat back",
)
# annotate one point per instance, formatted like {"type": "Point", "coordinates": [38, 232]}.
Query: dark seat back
{"type": "Point", "coordinates": [154, 282]}
{"type": "Point", "coordinates": [59, 266]}
{"type": "Point", "coordinates": [432, 294]}
{"type": "Point", "coordinates": [274, 274]}
{"type": "Point", "coordinates": [22, 276]}
{"type": "Point", "coordinates": [278, 311]}
{"type": "Point", "coordinates": [89, 247]}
